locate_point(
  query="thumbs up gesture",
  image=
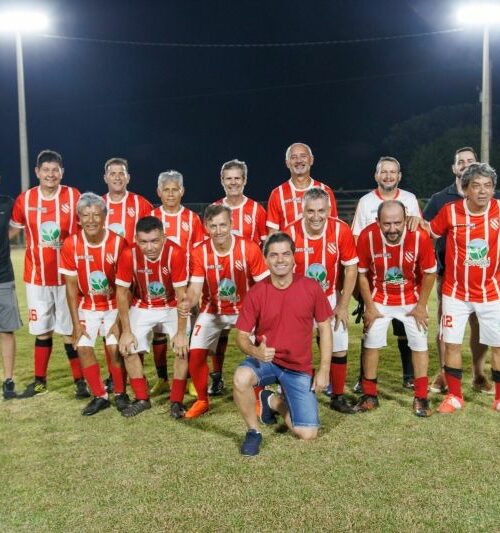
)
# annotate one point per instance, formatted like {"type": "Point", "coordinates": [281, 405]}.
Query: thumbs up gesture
{"type": "Point", "coordinates": [264, 352]}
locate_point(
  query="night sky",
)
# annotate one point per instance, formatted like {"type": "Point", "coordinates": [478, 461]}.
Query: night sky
{"type": "Point", "coordinates": [192, 108]}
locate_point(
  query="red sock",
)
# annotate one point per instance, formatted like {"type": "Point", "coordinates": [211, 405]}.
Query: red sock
{"type": "Point", "coordinates": [421, 387]}
{"type": "Point", "coordinates": [118, 381]}
{"type": "Point", "coordinates": [369, 387]}
{"type": "Point", "coordinates": [178, 390]}
{"type": "Point", "coordinates": [140, 388]}
{"type": "Point", "coordinates": [220, 353]}
{"type": "Point", "coordinates": [497, 390]}
{"type": "Point", "coordinates": [92, 375]}
{"type": "Point", "coordinates": [338, 373]}
{"type": "Point", "coordinates": [257, 391]}
{"type": "Point", "coordinates": [108, 359]}
{"type": "Point", "coordinates": [454, 384]}
{"type": "Point", "coordinates": [74, 362]}
{"type": "Point", "coordinates": [198, 369]}
{"type": "Point", "coordinates": [160, 357]}
{"type": "Point", "coordinates": [43, 349]}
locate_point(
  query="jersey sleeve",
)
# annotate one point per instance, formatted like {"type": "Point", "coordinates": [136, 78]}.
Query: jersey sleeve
{"type": "Point", "coordinates": [261, 223]}
{"type": "Point", "coordinates": [199, 232]}
{"type": "Point", "coordinates": [322, 308]}
{"type": "Point", "coordinates": [178, 267]}
{"type": "Point", "coordinates": [249, 312]}
{"type": "Point", "coordinates": [68, 266]}
{"type": "Point", "coordinates": [440, 223]}
{"type": "Point", "coordinates": [196, 268]}
{"type": "Point", "coordinates": [17, 218]}
{"type": "Point", "coordinates": [125, 268]}
{"type": "Point", "coordinates": [363, 250]}
{"type": "Point", "coordinates": [426, 257]}
{"type": "Point", "coordinates": [347, 246]}
{"type": "Point", "coordinates": [274, 215]}
{"type": "Point", "coordinates": [255, 260]}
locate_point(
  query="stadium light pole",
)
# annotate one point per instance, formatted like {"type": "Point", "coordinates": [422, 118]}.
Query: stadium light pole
{"type": "Point", "coordinates": [484, 15]}
{"type": "Point", "coordinates": [19, 23]}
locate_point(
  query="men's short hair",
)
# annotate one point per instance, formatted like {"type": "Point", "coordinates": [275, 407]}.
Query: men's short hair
{"type": "Point", "coordinates": [148, 224]}
{"type": "Point", "coordinates": [315, 193]}
{"type": "Point", "coordinates": [115, 161]}
{"type": "Point", "coordinates": [389, 203]}
{"type": "Point", "coordinates": [170, 175]}
{"type": "Point", "coordinates": [386, 158]}
{"type": "Point", "coordinates": [88, 199]}
{"type": "Point", "coordinates": [289, 149]}
{"type": "Point", "coordinates": [235, 163]}
{"type": "Point", "coordinates": [465, 149]}
{"type": "Point", "coordinates": [478, 170]}
{"type": "Point", "coordinates": [214, 210]}
{"type": "Point", "coordinates": [49, 156]}
{"type": "Point", "coordinates": [275, 238]}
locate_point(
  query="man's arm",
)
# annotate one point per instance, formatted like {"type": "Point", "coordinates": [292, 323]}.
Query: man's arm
{"type": "Point", "coordinates": [127, 338]}
{"type": "Point", "coordinates": [419, 312]}
{"type": "Point", "coordinates": [371, 312]}
{"type": "Point", "coordinates": [322, 377]}
{"type": "Point", "coordinates": [180, 342]}
{"type": "Point", "coordinates": [72, 297]}
{"type": "Point", "coordinates": [262, 352]}
{"type": "Point", "coordinates": [341, 311]}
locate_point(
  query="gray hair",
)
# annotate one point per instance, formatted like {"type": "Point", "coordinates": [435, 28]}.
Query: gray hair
{"type": "Point", "coordinates": [170, 175]}
{"type": "Point", "coordinates": [315, 193]}
{"type": "Point", "coordinates": [482, 170]}
{"type": "Point", "coordinates": [289, 149]}
{"type": "Point", "coordinates": [235, 163]}
{"type": "Point", "coordinates": [88, 199]}
{"type": "Point", "coordinates": [387, 158]}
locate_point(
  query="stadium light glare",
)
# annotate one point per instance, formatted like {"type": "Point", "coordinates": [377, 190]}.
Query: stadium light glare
{"type": "Point", "coordinates": [23, 22]}
{"type": "Point", "coordinates": [479, 14]}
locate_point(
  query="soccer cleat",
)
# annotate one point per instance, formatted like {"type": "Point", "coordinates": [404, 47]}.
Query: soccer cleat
{"type": "Point", "coordinates": [108, 384]}
{"type": "Point", "coordinates": [366, 403]}
{"type": "Point", "coordinates": [216, 387]}
{"type": "Point", "coordinates": [81, 390]}
{"type": "Point", "coordinates": [177, 410]}
{"type": "Point", "coordinates": [496, 405]}
{"type": "Point", "coordinates": [450, 404]}
{"type": "Point", "coordinates": [482, 384]}
{"type": "Point", "coordinates": [136, 407]}
{"type": "Point", "coordinates": [358, 387]}
{"type": "Point", "coordinates": [9, 389]}
{"type": "Point", "coordinates": [438, 384]}
{"type": "Point", "coordinates": [34, 389]}
{"type": "Point", "coordinates": [421, 407]}
{"type": "Point", "coordinates": [191, 389]}
{"type": "Point", "coordinates": [160, 387]}
{"type": "Point", "coordinates": [95, 405]}
{"type": "Point", "coordinates": [266, 414]}
{"type": "Point", "coordinates": [339, 403]}
{"type": "Point", "coordinates": [122, 401]}
{"type": "Point", "coordinates": [198, 408]}
{"type": "Point", "coordinates": [408, 383]}
{"type": "Point", "coordinates": [251, 444]}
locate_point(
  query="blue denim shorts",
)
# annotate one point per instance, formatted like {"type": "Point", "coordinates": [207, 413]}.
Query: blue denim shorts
{"type": "Point", "coordinates": [296, 386]}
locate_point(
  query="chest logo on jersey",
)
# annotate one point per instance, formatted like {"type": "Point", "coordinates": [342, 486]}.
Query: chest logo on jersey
{"type": "Point", "coordinates": [110, 259]}
{"type": "Point", "coordinates": [477, 252]}
{"type": "Point", "coordinates": [65, 208]}
{"type": "Point", "coordinates": [494, 223]}
{"type": "Point", "coordinates": [318, 272]}
{"type": "Point", "coordinates": [130, 211]}
{"type": "Point", "coordinates": [156, 289]}
{"type": "Point", "coordinates": [239, 265]}
{"type": "Point", "coordinates": [409, 257]}
{"type": "Point", "coordinates": [248, 219]}
{"type": "Point", "coordinates": [99, 284]}
{"type": "Point", "coordinates": [227, 290]}
{"type": "Point", "coordinates": [332, 248]}
{"type": "Point", "coordinates": [49, 235]}
{"type": "Point", "coordinates": [166, 225]}
{"type": "Point", "coordinates": [164, 270]}
{"type": "Point", "coordinates": [185, 226]}
{"type": "Point", "coordinates": [394, 276]}
{"type": "Point", "coordinates": [117, 228]}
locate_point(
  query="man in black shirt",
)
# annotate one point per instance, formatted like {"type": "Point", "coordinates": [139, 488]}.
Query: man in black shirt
{"type": "Point", "coordinates": [9, 310]}
{"type": "Point", "coordinates": [464, 157]}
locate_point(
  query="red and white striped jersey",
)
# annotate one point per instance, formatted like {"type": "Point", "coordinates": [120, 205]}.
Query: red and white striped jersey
{"type": "Point", "coordinates": [395, 270]}
{"type": "Point", "coordinates": [122, 216]}
{"type": "Point", "coordinates": [249, 219]}
{"type": "Point", "coordinates": [472, 257]}
{"type": "Point", "coordinates": [184, 227]}
{"type": "Point", "coordinates": [154, 282]}
{"type": "Point", "coordinates": [95, 266]}
{"type": "Point", "coordinates": [320, 257]}
{"type": "Point", "coordinates": [226, 278]}
{"type": "Point", "coordinates": [47, 223]}
{"type": "Point", "coordinates": [366, 210]}
{"type": "Point", "coordinates": [285, 204]}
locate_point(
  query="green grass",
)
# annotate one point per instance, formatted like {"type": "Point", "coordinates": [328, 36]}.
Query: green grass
{"type": "Point", "coordinates": [380, 471]}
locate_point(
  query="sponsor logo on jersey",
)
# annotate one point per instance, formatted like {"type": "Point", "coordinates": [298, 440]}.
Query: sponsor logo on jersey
{"type": "Point", "coordinates": [65, 208]}
{"type": "Point", "coordinates": [166, 225]}
{"type": "Point", "coordinates": [185, 226]}
{"type": "Point", "coordinates": [144, 271]}
{"type": "Point", "coordinates": [227, 290]}
{"type": "Point", "coordinates": [99, 284]}
{"type": "Point", "coordinates": [117, 228]}
{"type": "Point", "coordinates": [317, 271]}
{"type": "Point", "coordinates": [494, 223]}
{"type": "Point", "coordinates": [248, 219]}
{"type": "Point", "coordinates": [477, 254]}
{"type": "Point", "coordinates": [332, 248]}
{"type": "Point", "coordinates": [409, 257]}
{"type": "Point", "coordinates": [239, 265]}
{"type": "Point", "coordinates": [386, 255]}
{"type": "Point", "coordinates": [49, 235]}
{"type": "Point", "coordinates": [156, 289]}
{"type": "Point", "coordinates": [130, 211]}
{"type": "Point", "coordinates": [111, 211]}
{"type": "Point", "coordinates": [295, 200]}
{"type": "Point", "coordinates": [41, 209]}
{"type": "Point", "coordinates": [214, 267]}
{"type": "Point", "coordinates": [89, 258]}
{"type": "Point", "coordinates": [394, 276]}
{"type": "Point", "coordinates": [309, 250]}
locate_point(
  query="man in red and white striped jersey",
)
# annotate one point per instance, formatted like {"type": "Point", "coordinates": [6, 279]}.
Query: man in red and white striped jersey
{"type": "Point", "coordinates": [396, 273]}
{"type": "Point", "coordinates": [88, 262]}
{"type": "Point", "coordinates": [323, 245]}
{"type": "Point", "coordinates": [285, 202]}
{"type": "Point", "coordinates": [249, 221]}
{"type": "Point", "coordinates": [471, 277]}
{"type": "Point", "coordinates": [222, 270]}
{"type": "Point", "coordinates": [155, 270]}
{"type": "Point", "coordinates": [47, 213]}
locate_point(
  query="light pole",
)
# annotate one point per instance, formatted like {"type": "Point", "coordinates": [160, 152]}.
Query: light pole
{"type": "Point", "coordinates": [20, 22]}
{"type": "Point", "coordinates": [485, 15]}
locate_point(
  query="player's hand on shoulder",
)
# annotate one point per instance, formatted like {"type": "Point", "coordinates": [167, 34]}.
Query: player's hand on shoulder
{"type": "Point", "coordinates": [413, 223]}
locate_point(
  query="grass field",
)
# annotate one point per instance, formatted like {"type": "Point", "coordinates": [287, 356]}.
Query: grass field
{"type": "Point", "coordinates": [380, 471]}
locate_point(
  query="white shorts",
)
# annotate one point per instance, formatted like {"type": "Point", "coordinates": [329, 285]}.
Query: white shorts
{"type": "Point", "coordinates": [97, 323]}
{"type": "Point", "coordinates": [376, 337]}
{"type": "Point", "coordinates": [48, 309]}
{"type": "Point", "coordinates": [340, 337]}
{"type": "Point", "coordinates": [145, 322]}
{"type": "Point", "coordinates": [207, 328]}
{"type": "Point", "coordinates": [456, 314]}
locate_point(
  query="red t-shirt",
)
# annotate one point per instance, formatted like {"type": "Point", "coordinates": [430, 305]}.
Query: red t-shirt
{"type": "Point", "coordinates": [286, 317]}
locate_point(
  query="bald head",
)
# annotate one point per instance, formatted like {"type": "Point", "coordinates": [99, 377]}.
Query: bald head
{"type": "Point", "coordinates": [391, 218]}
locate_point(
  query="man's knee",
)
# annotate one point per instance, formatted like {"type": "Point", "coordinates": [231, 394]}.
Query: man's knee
{"type": "Point", "coordinates": [244, 378]}
{"type": "Point", "coordinates": [305, 433]}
